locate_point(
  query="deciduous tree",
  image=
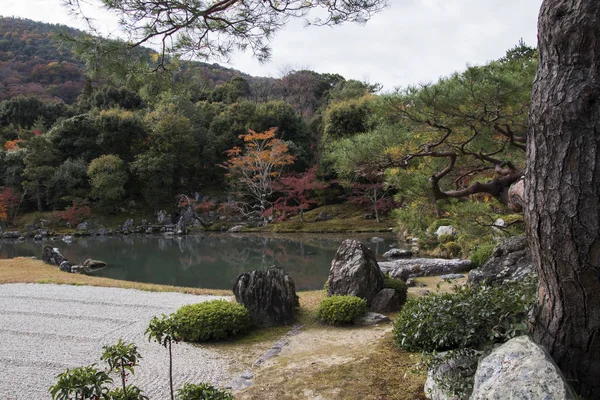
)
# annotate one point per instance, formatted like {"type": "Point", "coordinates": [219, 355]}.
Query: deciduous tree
{"type": "Point", "coordinates": [296, 189]}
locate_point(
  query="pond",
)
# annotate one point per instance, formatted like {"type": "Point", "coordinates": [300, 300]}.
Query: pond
{"type": "Point", "coordinates": [209, 261]}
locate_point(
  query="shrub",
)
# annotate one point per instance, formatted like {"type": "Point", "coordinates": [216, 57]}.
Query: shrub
{"type": "Point", "coordinates": [211, 320]}
{"type": "Point", "coordinates": [428, 240]}
{"type": "Point", "coordinates": [471, 317]}
{"type": "Point", "coordinates": [445, 238]}
{"type": "Point", "coordinates": [339, 310]}
{"type": "Point", "coordinates": [203, 391]}
{"type": "Point", "coordinates": [452, 249]}
{"type": "Point", "coordinates": [481, 254]}
{"type": "Point", "coordinates": [398, 285]}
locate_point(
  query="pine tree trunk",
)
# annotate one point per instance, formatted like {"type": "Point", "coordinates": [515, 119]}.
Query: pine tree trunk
{"type": "Point", "coordinates": [563, 189]}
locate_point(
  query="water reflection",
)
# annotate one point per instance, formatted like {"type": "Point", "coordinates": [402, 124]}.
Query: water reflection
{"type": "Point", "coordinates": [209, 261]}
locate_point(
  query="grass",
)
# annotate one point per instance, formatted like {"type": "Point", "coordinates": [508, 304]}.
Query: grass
{"type": "Point", "coordinates": [28, 270]}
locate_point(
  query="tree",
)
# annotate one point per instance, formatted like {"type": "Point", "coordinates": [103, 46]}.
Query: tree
{"type": "Point", "coordinates": [39, 161]}
{"type": "Point", "coordinates": [296, 188]}
{"type": "Point", "coordinates": [563, 189]}
{"type": "Point", "coordinates": [253, 169]}
{"type": "Point", "coordinates": [107, 177]}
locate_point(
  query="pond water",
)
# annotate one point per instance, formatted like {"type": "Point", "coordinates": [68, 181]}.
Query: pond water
{"type": "Point", "coordinates": [209, 261]}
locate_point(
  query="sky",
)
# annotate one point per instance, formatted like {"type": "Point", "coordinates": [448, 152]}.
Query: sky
{"type": "Point", "coordinates": [410, 42]}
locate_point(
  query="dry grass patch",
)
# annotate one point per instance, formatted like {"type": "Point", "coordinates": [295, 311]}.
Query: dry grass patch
{"type": "Point", "coordinates": [28, 270]}
{"type": "Point", "coordinates": [432, 283]}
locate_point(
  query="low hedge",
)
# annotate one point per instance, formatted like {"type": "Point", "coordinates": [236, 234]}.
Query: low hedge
{"type": "Point", "coordinates": [211, 320]}
{"type": "Point", "coordinates": [398, 285]}
{"type": "Point", "coordinates": [340, 310]}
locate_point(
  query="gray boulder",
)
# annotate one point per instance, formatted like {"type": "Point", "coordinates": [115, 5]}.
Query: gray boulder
{"type": "Point", "coordinates": [354, 272]}
{"type": "Point", "coordinates": [163, 218]}
{"type": "Point", "coordinates": [397, 253]}
{"type": "Point", "coordinates": [180, 228]}
{"type": "Point", "coordinates": [510, 261]}
{"type": "Point", "coordinates": [84, 226]}
{"type": "Point", "coordinates": [237, 228]}
{"type": "Point", "coordinates": [11, 235]}
{"type": "Point", "coordinates": [65, 266]}
{"type": "Point", "coordinates": [451, 375]}
{"type": "Point", "coordinates": [415, 267]}
{"type": "Point", "coordinates": [387, 300]}
{"type": "Point", "coordinates": [371, 318]}
{"type": "Point", "coordinates": [445, 230]}
{"type": "Point", "coordinates": [269, 295]}
{"type": "Point", "coordinates": [519, 369]}
{"type": "Point", "coordinates": [127, 225]}
{"type": "Point", "coordinates": [448, 277]}
{"type": "Point", "coordinates": [52, 256]}
{"type": "Point", "coordinates": [89, 263]}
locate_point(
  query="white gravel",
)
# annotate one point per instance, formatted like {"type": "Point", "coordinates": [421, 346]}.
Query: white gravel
{"type": "Point", "coordinates": [45, 329]}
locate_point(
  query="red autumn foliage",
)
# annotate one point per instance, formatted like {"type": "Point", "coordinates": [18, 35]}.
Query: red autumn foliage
{"type": "Point", "coordinates": [75, 214]}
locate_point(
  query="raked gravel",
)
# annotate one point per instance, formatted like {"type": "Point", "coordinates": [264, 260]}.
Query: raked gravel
{"type": "Point", "coordinates": [45, 329]}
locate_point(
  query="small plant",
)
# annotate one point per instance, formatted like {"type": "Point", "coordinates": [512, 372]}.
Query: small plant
{"type": "Point", "coordinates": [398, 285]}
{"type": "Point", "coordinates": [452, 249]}
{"type": "Point", "coordinates": [123, 358]}
{"type": "Point", "coordinates": [445, 238]}
{"type": "Point", "coordinates": [203, 391]}
{"type": "Point", "coordinates": [471, 317]}
{"type": "Point", "coordinates": [339, 310]}
{"type": "Point", "coordinates": [211, 320]}
{"type": "Point", "coordinates": [481, 254]}
{"type": "Point", "coordinates": [81, 382]}
{"type": "Point", "coordinates": [131, 393]}
{"type": "Point", "coordinates": [162, 330]}
{"type": "Point", "coordinates": [458, 380]}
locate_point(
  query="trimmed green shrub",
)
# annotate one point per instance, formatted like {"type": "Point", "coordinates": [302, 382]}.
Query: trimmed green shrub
{"type": "Point", "coordinates": [445, 238]}
{"type": "Point", "coordinates": [471, 317]}
{"type": "Point", "coordinates": [398, 285]}
{"type": "Point", "coordinates": [211, 320]}
{"type": "Point", "coordinates": [203, 391]}
{"type": "Point", "coordinates": [481, 254]}
{"type": "Point", "coordinates": [452, 249]}
{"type": "Point", "coordinates": [340, 310]}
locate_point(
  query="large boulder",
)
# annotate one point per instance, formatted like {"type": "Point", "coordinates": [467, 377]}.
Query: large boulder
{"type": "Point", "coordinates": [510, 261]}
{"type": "Point", "coordinates": [445, 230]}
{"type": "Point", "coordinates": [163, 218]}
{"type": "Point", "coordinates": [93, 264]}
{"type": "Point", "coordinates": [519, 369]}
{"type": "Point", "coordinates": [180, 228]}
{"type": "Point", "coordinates": [269, 295]}
{"type": "Point", "coordinates": [355, 272]}
{"type": "Point", "coordinates": [414, 267]}
{"type": "Point", "coordinates": [52, 256]}
{"type": "Point", "coordinates": [11, 235]}
{"type": "Point", "coordinates": [397, 253]}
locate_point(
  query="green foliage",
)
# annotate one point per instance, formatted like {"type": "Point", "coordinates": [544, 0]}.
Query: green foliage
{"type": "Point", "coordinates": [348, 117]}
{"type": "Point", "coordinates": [107, 177]}
{"type": "Point", "coordinates": [457, 381]}
{"type": "Point", "coordinates": [427, 240]}
{"type": "Point", "coordinates": [76, 137]}
{"type": "Point", "coordinates": [211, 320]}
{"type": "Point", "coordinates": [131, 393]}
{"type": "Point", "coordinates": [123, 358]}
{"type": "Point", "coordinates": [471, 317]}
{"type": "Point", "coordinates": [451, 249]}
{"type": "Point", "coordinates": [398, 285]}
{"type": "Point", "coordinates": [162, 330]}
{"type": "Point", "coordinates": [445, 238]}
{"type": "Point", "coordinates": [156, 174]}
{"type": "Point", "coordinates": [481, 253]}
{"type": "Point", "coordinates": [82, 382]}
{"type": "Point", "coordinates": [203, 391]}
{"type": "Point", "coordinates": [69, 182]}
{"type": "Point", "coordinates": [340, 310]}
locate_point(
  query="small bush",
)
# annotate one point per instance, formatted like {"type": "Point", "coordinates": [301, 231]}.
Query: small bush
{"type": "Point", "coordinates": [203, 391]}
{"type": "Point", "coordinates": [339, 310]}
{"type": "Point", "coordinates": [471, 317]}
{"type": "Point", "coordinates": [481, 254]}
{"type": "Point", "coordinates": [398, 285]}
{"type": "Point", "coordinates": [452, 249]}
{"type": "Point", "coordinates": [445, 238]}
{"type": "Point", "coordinates": [428, 240]}
{"type": "Point", "coordinates": [211, 320]}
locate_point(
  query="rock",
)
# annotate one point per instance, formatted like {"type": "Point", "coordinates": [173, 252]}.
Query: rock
{"type": "Point", "coordinates": [11, 235]}
{"type": "Point", "coordinates": [354, 272]}
{"type": "Point", "coordinates": [89, 263]}
{"type": "Point", "coordinates": [65, 266]}
{"type": "Point", "coordinates": [78, 269]}
{"type": "Point", "coordinates": [127, 225]}
{"type": "Point", "coordinates": [44, 233]}
{"type": "Point", "coordinates": [451, 276]}
{"type": "Point", "coordinates": [149, 231]}
{"type": "Point", "coordinates": [52, 256]}
{"type": "Point", "coordinates": [445, 230]}
{"type": "Point", "coordinates": [398, 253]}
{"type": "Point", "coordinates": [387, 300]}
{"type": "Point", "coordinates": [410, 282]}
{"type": "Point", "coordinates": [237, 228]}
{"type": "Point", "coordinates": [424, 267]}
{"type": "Point", "coordinates": [451, 368]}
{"type": "Point", "coordinates": [400, 273]}
{"type": "Point", "coordinates": [371, 318]}
{"type": "Point", "coordinates": [163, 218]}
{"type": "Point", "coordinates": [180, 227]}
{"type": "Point", "coordinates": [103, 232]}
{"type": "Point", "coordinates": [422, 284]}
{"type": "Point", "coordinates": [519, 369]}
{"type": "Point", "coordinates": [67, 239]}
{"type": "Point", "coordinates": [21, 238]}
{"type": "Point", "coordinates": [269, 295]}
{"type": "Point", "coordinates": [516, 196]}
{"type": "Point", "coordinates": [377, 239]}
{"type": "Point", "coordinates": [84, 226]}
{"type": "Point", "coordinates": [38, 237]}
{"type": "Point", "coordinates": [510, 261]}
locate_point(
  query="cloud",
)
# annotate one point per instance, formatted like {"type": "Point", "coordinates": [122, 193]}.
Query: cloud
{"type": "Point", "coordinates": [412, 41]}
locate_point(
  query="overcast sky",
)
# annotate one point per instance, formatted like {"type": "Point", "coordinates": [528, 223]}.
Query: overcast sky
{"type": "Point", "coordinates": [411, 41]}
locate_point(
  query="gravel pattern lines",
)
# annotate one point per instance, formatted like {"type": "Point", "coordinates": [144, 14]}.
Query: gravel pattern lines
{"type": "Point", "coordinates": [46, 328]}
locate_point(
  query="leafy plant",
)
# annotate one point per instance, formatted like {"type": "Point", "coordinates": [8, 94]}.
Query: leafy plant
{"type": "Point", "coordinates": [457, 379]}
{"type": "Point", "coordinates": [162, 330]}
{"type": "Point", "coordinates": [203, 391]}
{"type": "Point", "coordinates": [82, 382]}
{"type": "Point", "coordinates": [122, 357]}
{"type": "Point", "coordinates": [132, 393]}
{"type": "Point", "coordinates": [481, 254]}
{"type": "Point", "coordinates": [398, 285]}
{"type": "Point", "coordinates": [339, 310]}
{"type": "Point", "coordinates": [211, 320]}
{"type": "Point", "coordinates": [471, 317]}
